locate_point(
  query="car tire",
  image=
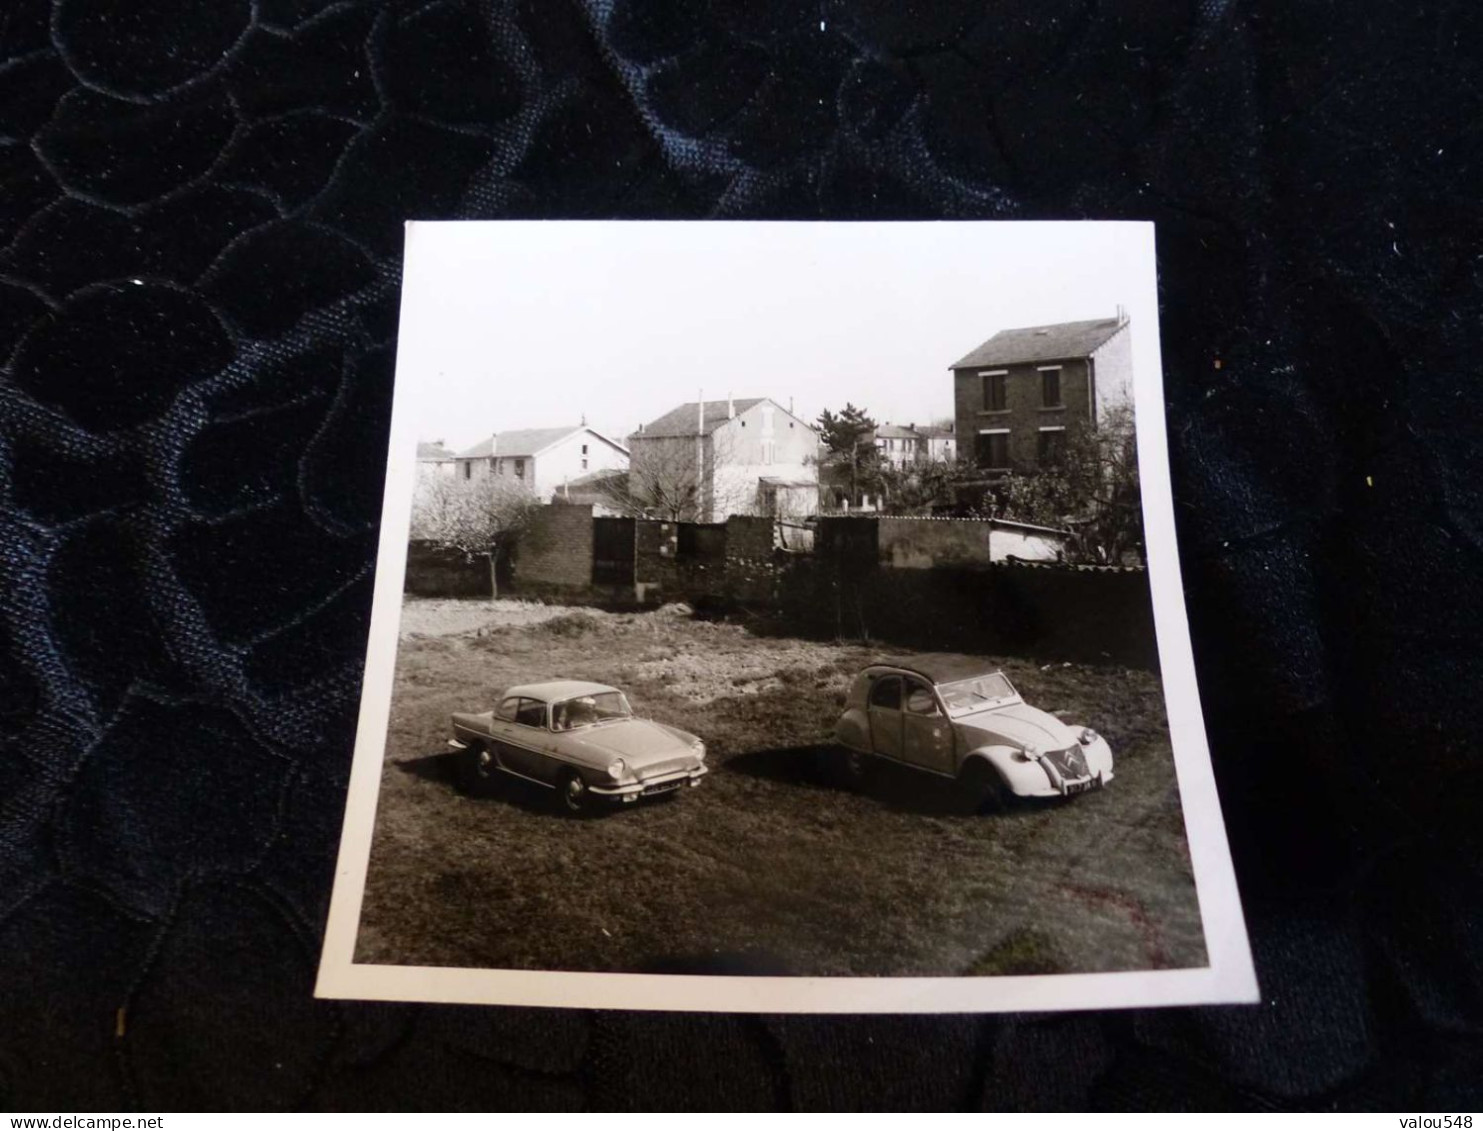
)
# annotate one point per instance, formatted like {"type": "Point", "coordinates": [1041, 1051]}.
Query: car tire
{"type": "Point", "coordinates": [981, 789]}
{"type": "Point", "coordinates": [854, 768]}
{"type": "Point", "coordinates": [573, 794]}
{"type": "Point", "coordinates": [477, 770]}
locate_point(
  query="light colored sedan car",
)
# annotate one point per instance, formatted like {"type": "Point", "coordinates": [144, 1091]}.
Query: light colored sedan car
{"type": "Point", "coordinates": [960, 718]}
{"type": "Point", "coordinates": [581, 740]}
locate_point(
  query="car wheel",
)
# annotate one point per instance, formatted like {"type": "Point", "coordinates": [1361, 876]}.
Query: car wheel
{"type": "Point", "coordinates": [981, 788]}
{"type": "Point", "coordinates": [854, 767]}
{"type": "Point", "coordinates": [573, 792]}
{"type": "Point", "coordinates": [477, 769]}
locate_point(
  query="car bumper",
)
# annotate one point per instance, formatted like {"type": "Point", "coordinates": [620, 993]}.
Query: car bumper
{"type": "Point", "coordinates": [649, 787]}
{"type": "Point", "coordinates": [1063, 787]}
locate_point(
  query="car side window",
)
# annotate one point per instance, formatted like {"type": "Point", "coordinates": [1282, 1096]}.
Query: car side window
{"type": "Point", "coordinates": [507, 709]}
{"type": "Point", "coordinates": [886, 693]}
{"type": "Point", "coordinates": [919, 699]}
{"type": "Point", "coordinates": [532, 713]}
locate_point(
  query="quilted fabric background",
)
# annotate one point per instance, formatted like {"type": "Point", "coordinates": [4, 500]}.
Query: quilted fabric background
{"type": "Point", "coordinates": [200, 226]}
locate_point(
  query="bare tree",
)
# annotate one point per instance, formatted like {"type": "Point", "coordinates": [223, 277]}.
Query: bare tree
{"type": "Point", "coordinates": [680, 479]}
{"type": "Point", "coordinates": [476, 517]}
{"type": "Point", "coordinates": [1092, 488]}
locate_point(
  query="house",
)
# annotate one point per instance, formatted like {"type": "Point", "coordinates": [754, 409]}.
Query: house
{"type": "Point", "coordinates": [705, 460]}
{"type": "Point", "coordinates": [541, 459]}
{"type": "Point", "coordinates": [903, 446]}
{"type": "Point", "coordinates": [1021, 394]}
{"type": "Point", "coordinates": [433, 460]}
{"type": "Point", "coordinates": [900, 447]}
{"type": "Point", "coordinates": [941, 441]}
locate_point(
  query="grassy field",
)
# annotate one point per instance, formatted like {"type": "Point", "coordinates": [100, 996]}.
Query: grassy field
{"type": "Point", "coordinates": [770, 866]}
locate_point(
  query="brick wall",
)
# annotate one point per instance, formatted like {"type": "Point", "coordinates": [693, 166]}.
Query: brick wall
{"type": "Point", "coordinates": [655, 569]}
{"type": "Point", "coordinates": [849, 588]}
{"type": "Point", "coordinates": [1024, 412]}
{"type": "Point", "coordinates": [554, 551]}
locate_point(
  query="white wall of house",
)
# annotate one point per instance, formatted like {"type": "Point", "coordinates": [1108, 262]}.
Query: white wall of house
{"type": "Point", "coordinates": [577, 455]}
{"type": "Point", "coordinates": [766, 441]}
{"type": "Point", "coordinates": [543, 473]}
{"type": "Point", "coordinates": [942, 449]}
{"type": "Point", "coordinates": [1113, 372]}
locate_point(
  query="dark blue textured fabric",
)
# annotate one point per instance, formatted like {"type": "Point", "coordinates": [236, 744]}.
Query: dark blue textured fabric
{"type": "Point", "coordinates": [200, 223]}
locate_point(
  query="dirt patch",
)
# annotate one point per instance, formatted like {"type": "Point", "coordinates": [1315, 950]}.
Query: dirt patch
{"type": "Point", "coordinates": [770, 863]}
{"type": "Point", "coordinates": [442, 617]}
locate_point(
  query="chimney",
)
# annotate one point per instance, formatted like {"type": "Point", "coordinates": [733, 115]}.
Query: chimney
{"type": "Point", "coordinates": [700, 414]}
{"type": "Point", "coordinates": [730, 407]}
{"type": "Point", "coordinates": [1122, 314]}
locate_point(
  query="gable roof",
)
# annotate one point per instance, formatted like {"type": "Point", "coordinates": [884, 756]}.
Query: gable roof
{"type": "Point", "coordinates": [432, 451]}
{"type": "Point", "coordinates": [897, 432]}
{"type": "Point", "coordinates": [1042, 343]}
{"type": "Point", "coordinates": [526, 442]}
{"type": "Point", "coordinates": [482, 450]}
{"type": "Point", "coordinates": [681, 421]}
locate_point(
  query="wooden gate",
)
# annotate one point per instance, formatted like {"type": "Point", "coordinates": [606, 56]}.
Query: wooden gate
{"type": "Point", "coordinates": [612, 551]}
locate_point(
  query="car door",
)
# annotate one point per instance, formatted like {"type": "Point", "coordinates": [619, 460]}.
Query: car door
{"type": "Point", "coordinates": [884, 710]}
{"type": "Point", "coordinates": [926, 734]}
{"type": "Point", "coordinates": [521, 741]}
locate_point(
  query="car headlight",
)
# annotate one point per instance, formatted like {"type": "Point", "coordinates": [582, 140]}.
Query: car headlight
{"type": "Point", "coordinates": [698, 749]}
{"type": "Point", "coordinates": [1031, 752]}
{"type": "Point", "coordinates": [1087, 736]}
{"type": "Point", "coordinates": [616, 769]}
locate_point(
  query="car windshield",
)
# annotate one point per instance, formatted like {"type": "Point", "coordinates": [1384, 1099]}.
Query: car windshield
{"type": "Point", "coordinates": [977, 694]}
{"type": "Point", "coordinates": [589, 710]}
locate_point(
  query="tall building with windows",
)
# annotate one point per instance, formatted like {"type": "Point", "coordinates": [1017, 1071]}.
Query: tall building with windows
{"type": "Point", "coordinates": [1020, 395]}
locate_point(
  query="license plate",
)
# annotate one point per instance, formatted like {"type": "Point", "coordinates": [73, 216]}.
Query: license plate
{"type": "Point", "coordinates": [662, 787]}
{"type": "Point", "coordinates": [1076, 787]}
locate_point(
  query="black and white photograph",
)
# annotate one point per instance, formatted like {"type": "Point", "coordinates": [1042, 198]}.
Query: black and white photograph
{"type": "Point", "coordinates": [781, 617]}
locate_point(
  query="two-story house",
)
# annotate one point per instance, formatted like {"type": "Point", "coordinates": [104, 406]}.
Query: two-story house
{"type": "Point", "coordinates": [900, 447]}
{"type": "Point", "coordinates": [541, 459]}
{"type": "Point", "coordinates": [903, 446]}
{"type": "Point", "coordinates": [1024, 392]}
{"type": "Point", "coordinates": [705, 460]}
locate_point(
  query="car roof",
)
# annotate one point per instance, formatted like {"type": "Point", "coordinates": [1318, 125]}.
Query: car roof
{"type": "Point", "coordinates": [940, 667]}
{"type": "Point", "coordinates": [557, 689]}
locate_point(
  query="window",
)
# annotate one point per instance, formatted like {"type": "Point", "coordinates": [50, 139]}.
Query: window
{"type": "Point", "coordinates": [996, 390]}
{"type": "Point", "coordinates": [886, 694]}
{"type": "Point", "coordinates": [531, 713]}
{"type": "Point", "coordinates": [1050, 387]}
{"type": "Point", "coordinates": [584, 449]}
{"type": "Point", "coordinates": [584, 464]}
{"type": "Point", "coordinates": [468, 469]}
{"type": "Point", "coordinates": [507, 709]}
{"type": "Point", "coordinates": [519, 469]}
{"type": "Point", "coordinates": [919, 699]}
{"type": "Point", "coordinates": [499, 466]}
{"type": "Point", "coordinates": [1052, 447]}
{"type": "Point", "coordinates": [992, 450]}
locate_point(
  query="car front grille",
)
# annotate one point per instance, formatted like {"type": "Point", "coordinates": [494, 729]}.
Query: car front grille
{"type": "Point", "coordinates": [1070, 763]}
{"type": "Point", "coordinates": [668, 766]}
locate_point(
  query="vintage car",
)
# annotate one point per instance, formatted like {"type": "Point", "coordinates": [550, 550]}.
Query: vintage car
{"type": "Point", "coordinates": [579, 739]}
{"type": "Point", "coordinates": [961, 718]}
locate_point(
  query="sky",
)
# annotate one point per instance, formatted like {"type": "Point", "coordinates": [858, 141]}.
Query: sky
{"type": "Point", "coordinates": [515, 324]}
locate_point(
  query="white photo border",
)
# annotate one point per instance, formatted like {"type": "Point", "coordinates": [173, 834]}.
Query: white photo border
{"type": "Point", "coordinates": [1230, 976]}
